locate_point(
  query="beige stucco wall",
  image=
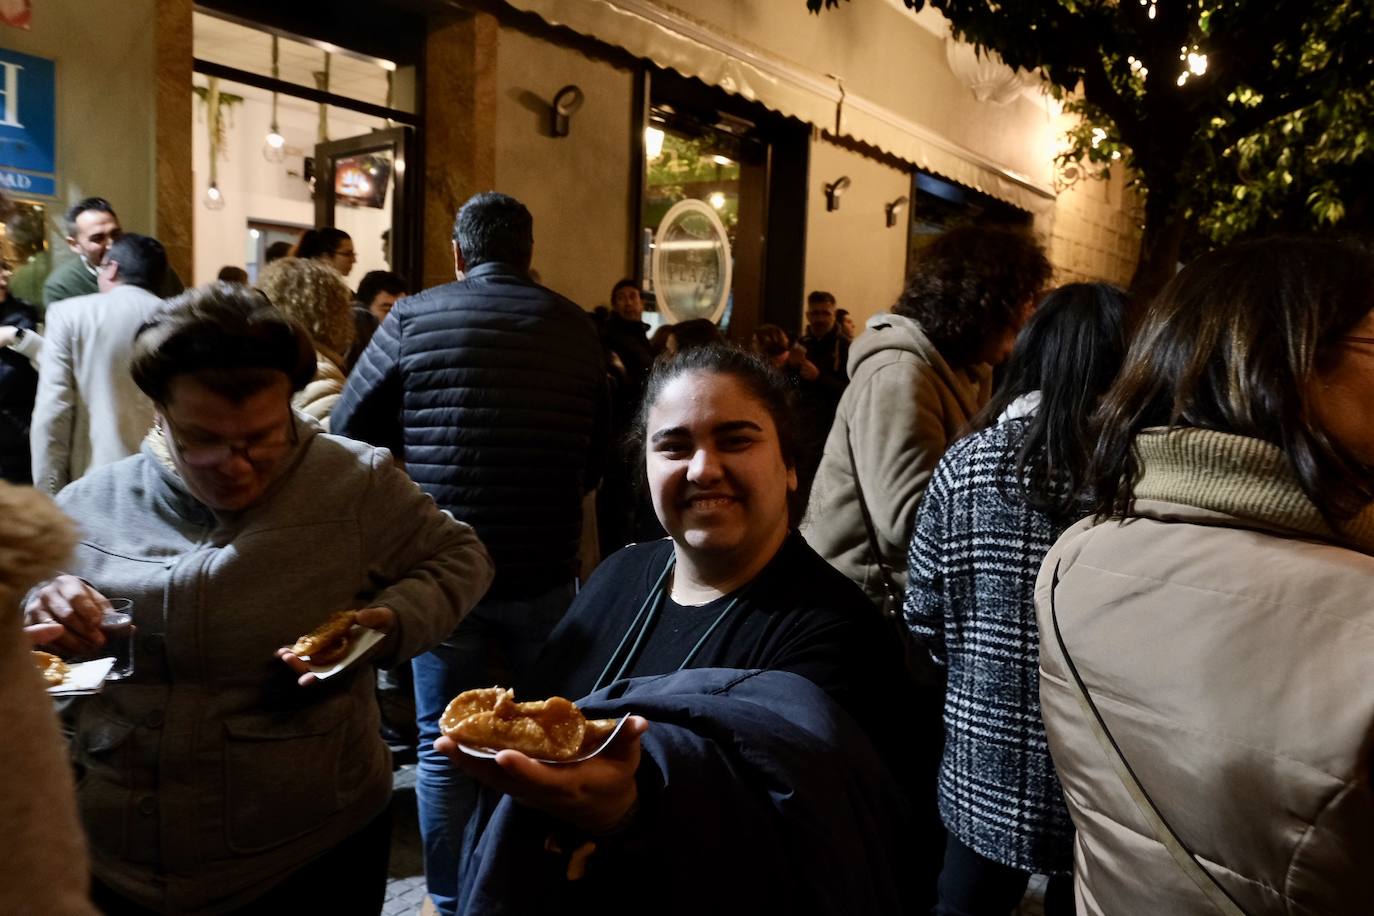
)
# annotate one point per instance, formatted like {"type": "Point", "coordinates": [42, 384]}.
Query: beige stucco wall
{"type": "Point", "coordinates": [106, 95]}
{"type": "Point", "coordinates": [851, 252]}
{"type": "Point", "coordinates": [577, 187]}
{"type": "Point", "coordinates": [881, 54]}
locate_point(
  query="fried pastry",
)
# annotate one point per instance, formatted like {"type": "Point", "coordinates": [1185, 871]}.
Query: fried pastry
{"type": "Point", "coordinates": [552, 729]}
{"type": "Point", "coordinates": [53, 669]}
{"type": "Point", "coordinates": [471, 702]}
{"type": "Point", "coordinates": [329, 642]}
{"type": "Point", "coordinates": [598, 730]}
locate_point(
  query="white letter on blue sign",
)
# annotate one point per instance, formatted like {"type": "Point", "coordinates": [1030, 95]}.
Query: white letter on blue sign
{"type": "Point", "coordinates": [11, 93]}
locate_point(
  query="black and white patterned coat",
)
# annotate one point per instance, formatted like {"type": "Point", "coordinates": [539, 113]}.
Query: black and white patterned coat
{"type": "Point", "coordinates": [974, 556]}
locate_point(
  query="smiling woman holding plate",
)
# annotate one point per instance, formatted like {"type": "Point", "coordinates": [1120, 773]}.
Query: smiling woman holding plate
{"type": "Point", "coordinates": [747, 662]}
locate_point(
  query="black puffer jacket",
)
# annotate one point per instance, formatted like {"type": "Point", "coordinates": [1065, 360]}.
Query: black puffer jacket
{"type": "Point", "coordinates": [492, 390]}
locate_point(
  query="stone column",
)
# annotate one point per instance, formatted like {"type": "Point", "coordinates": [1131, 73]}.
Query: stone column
{"type": "Point", "coordinates": [174, 195]}
{"type": "Point", "coordinates": [460, 129]}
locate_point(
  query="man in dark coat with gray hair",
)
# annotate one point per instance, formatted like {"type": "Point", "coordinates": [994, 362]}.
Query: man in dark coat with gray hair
{"type": "Point", "coordinates": [492, 390]}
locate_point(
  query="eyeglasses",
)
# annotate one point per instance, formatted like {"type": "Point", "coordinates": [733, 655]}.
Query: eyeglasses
{"type": "Point", "coordinates": [267, 447]}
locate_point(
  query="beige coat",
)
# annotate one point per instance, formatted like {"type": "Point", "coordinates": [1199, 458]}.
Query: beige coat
{"type": "Point", "coordinates": [904, 406]}
{"type": "Point", "coordinates": [43, 865]}
{"type": "Point", "coordinates": [88, 411]}
{"type": "Point", "coordinates": [1228, 643]}
{"type": "Point", "coordinates": [317, 399]}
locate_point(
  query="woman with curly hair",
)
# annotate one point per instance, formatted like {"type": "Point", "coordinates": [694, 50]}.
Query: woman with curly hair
{"type": "Point", "coordinates": [917, 377]}
{"type": "Point", "coordinates": [313, 294]}
{"type": "Point", "coordinates": [916, 380]}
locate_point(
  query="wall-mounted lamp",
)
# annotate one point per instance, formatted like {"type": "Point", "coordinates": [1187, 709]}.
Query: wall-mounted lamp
{"type": "Point", "coordinates": [894, 209]}
{"type": "Point", "coordinates": [833, 190]}
{"type": "Point", "coordinates": [565, 103]}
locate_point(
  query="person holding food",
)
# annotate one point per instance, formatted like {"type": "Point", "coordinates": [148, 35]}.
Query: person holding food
{"type": "Point", "coordinates": [1206, 637]}
{"type": "Point", "coordinates": [220, 777]}
{"type": "Point", "coordinates": [760, 680]}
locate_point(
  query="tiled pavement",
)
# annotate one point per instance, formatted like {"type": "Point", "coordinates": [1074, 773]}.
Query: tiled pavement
{"type": "Point", "coordinates": [405, 888]}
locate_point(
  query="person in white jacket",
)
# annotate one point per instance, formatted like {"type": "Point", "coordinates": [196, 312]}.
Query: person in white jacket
{"type": "Point", "coordinates": [88, 412]}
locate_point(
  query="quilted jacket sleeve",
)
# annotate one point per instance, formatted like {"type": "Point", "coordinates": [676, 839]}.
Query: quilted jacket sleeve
{"type": "Point", "coordinates": [370, 408]}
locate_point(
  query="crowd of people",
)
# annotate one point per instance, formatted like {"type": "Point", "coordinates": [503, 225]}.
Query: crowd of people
{"type": "Point", "coordinates": [1017, 580]}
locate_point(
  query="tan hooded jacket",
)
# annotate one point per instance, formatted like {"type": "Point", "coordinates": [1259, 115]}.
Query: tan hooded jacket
{"type": "Point", "coordinates": [1227, 640]}
{"type": "Point", "coordinates": [904, 406]}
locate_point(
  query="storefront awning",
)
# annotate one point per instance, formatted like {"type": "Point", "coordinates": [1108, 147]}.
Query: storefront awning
{"type": "Point", "coordinates": [669, 40]}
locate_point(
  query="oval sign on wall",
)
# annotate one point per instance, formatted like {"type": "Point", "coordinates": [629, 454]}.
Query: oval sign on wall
{"type": "Point", "coordinates": [691, 263]}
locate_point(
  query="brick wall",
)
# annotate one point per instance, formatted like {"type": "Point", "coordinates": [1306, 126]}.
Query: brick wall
{"type": "Point", "coordinates": [1095, 233]}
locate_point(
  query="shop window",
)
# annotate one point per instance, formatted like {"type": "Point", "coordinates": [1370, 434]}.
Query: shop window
{"type": "Point", "coordinates": [297, 132]}
{"type": "Point", "coordinates": [715, 207]}
{"type": "Point", "coordinates": [940, 205]}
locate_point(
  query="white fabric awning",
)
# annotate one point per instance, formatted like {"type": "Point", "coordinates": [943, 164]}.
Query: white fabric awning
{"type": "Point", "coordinates": [669, 40]}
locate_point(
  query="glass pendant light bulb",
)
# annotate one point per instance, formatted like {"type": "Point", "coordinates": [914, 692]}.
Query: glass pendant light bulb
{"type": "Point", "coordinates": [274, 146]}
{"type": "Point", "coordinates": [214, 197]}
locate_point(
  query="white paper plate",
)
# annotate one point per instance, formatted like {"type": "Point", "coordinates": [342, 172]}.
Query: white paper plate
{"type": "Point", "coordinates": [484, 753]}
{"type": "Point", "coordinates": [363, 639]}
{"type": "Point", "coordinates": [84, 678]}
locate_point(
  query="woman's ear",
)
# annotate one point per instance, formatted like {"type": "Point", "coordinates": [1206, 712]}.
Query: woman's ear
{"type": "Point", "coordinates": [792, 480]}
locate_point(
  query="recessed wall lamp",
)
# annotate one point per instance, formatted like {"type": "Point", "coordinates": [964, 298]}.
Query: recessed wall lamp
{"type": "Point", "coordinates": [565, 103]}
{"type": "Point", "coordinates": [833, 190]}
{"type": "Point", "coordinates": [894, 209]}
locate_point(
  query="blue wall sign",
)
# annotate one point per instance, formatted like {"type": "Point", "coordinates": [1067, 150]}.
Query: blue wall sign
{"type": "Point", "coordinates": [28, 118]}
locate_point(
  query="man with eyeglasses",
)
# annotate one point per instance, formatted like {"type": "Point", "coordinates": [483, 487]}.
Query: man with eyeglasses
{"type": "Point", "coordinates": [88, 412]}
{"type": "Point", "coordinates": [221, 777]}
{"type": "Point", "coordinates": [92, 227]}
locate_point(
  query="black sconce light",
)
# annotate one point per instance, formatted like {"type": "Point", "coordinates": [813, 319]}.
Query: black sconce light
{"type": "Point", "coordinates": [894, 209]}
{"type": "Point", "coordinates": [833, 190]}
{"type": "Point", "coordinates": [565, 103]}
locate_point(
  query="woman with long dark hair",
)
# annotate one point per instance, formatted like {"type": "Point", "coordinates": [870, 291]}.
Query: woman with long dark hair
{"type": "Point", "coordinates": [1206, 638]}
{"type": "Point", "coordinates": [997, 501]}
{"type": "Point", "coordinates": [332, 246]}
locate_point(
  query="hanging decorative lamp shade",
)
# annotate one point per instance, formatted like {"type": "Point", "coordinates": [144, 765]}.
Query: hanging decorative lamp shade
{"type": "Point", "coordinates": [983, 73]}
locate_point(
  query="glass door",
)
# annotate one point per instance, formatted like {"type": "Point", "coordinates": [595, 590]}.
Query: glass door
{"type": "Point", "coordinates": [361, 188]}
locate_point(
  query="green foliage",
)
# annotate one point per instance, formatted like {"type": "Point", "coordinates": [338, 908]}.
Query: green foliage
{"type": "Point", "coordinates": [1266, 128]}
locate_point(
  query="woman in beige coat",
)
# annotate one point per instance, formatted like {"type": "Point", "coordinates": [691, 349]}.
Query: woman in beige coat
{"type": "Point", "coordinates": [1207, 642]}
{"type": "Point", "coordinates": [313, 293]}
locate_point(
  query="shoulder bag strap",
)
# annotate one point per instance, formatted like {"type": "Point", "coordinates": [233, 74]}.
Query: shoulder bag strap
{"type": "Point", "coordinates": [1210, 887]}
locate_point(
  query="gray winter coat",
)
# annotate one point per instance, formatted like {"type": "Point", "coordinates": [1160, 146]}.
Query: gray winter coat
{"type": "Point", "coordinates": [211, 774]}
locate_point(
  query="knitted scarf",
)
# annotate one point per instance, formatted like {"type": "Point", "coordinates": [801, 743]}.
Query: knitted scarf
{"type": "Point", "coordinates": [1240, 476]}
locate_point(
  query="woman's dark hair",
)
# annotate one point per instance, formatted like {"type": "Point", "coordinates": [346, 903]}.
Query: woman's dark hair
{"type": "Point", "coordinates": [228, 337]}
{"type": "Point", "coordinates": [320, 243]}
{"type": "Point", "coordinates": [970, 285]}
{"type": "Point", "coordinates": [696, 332]}
{"type": "Point", "coordinates": [1069, 353]}
{"type": "Point", "coordinates": [1234, 344]}
{"type": "Point", "coordinates": [765, 384]}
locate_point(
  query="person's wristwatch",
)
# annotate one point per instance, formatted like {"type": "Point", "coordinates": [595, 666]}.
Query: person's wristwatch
{"type": "Point", "coordinates": [19, 334]}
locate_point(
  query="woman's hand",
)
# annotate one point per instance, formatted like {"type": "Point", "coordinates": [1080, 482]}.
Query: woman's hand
{"type": "Point", "coordinates": [374, 618]}
{"type": "Point", "coordinates": [594, 795]}
{"type": "Point", "coordinates": [72, 603]}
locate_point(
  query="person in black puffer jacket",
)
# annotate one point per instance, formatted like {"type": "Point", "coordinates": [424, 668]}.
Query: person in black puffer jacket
{"type": "Point", "coordinates": [493, 392]}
